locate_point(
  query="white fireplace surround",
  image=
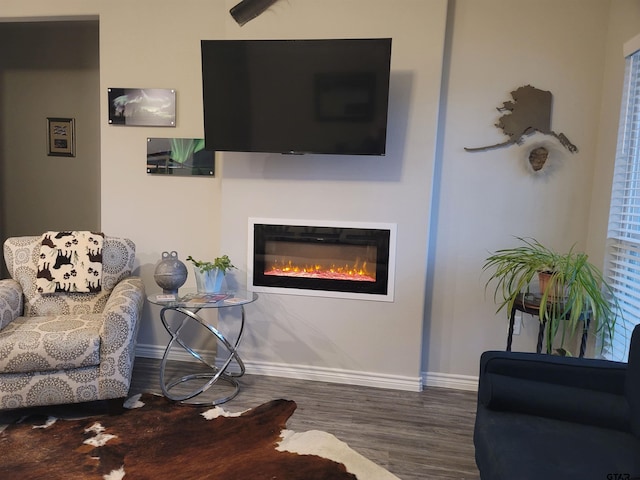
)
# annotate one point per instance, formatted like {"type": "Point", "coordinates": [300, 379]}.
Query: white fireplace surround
{"type": "Point", "coordinates": [391, 227]}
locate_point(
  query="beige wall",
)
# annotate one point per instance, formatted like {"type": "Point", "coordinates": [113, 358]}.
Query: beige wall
{"type": "Point", "coordinates": [354, 336]}
{"type": "Point", "coordinates": [156, 44]}
{"type": "Point", "coordinates": [573, 49]}
{"type": "Point", "coordinates": [624, 22]}
{"type": "Point", "coordinates": [48, 70]}
{"type": "Point", "coordinates": [481, 199]}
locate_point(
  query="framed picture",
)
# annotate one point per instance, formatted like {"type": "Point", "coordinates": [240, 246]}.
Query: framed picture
{"type": "Point", "coordinates": [179, 156]}
{"type": "Point", "coordinates": [149, 107]}
{"type": "Point", "coordinates": [61, 137]}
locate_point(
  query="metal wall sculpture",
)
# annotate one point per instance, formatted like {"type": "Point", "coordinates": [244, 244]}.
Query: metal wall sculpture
{"type": "Point", "coordinates": [528, 113]}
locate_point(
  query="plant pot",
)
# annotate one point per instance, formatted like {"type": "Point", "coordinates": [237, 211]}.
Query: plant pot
{"type": "Point", "coordinates": [554, 291]}
{"type": "Point", "coordinates": [209, 281]}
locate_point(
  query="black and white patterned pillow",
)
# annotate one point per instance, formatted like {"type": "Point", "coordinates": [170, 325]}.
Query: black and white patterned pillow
{"type": "Point", "coordinates": [70, 262]}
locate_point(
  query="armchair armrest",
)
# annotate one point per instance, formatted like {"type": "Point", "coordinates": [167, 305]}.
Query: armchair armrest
{"type": "Point", "coordinates": [123, 309]}
{"type": "Point", "coordinates": [581, 390]}
{"type": "Point", "coordinates": [11, 302]}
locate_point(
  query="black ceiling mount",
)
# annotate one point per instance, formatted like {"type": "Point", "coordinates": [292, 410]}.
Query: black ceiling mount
{"type": "Point", "coordinates": [247, 10]}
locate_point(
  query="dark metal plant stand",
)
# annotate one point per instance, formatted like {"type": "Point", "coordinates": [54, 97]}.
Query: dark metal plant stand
{"type": "Point", "coordinates": [529, 303]}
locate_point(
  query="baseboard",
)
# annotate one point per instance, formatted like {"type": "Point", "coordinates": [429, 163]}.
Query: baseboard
{"type": "Point", "coordinates": [350, 377]}
{"type": "Point", "coordinates": [178, 354]}
{"type": "Point", "coordinates": [448, 380]}
{"type": "Point", "coordinates": [300, 372]}
{"type": "Point", "coordinates": [331, 375]}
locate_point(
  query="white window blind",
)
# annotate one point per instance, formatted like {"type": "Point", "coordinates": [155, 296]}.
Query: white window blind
{"type": "Point", "coordinates": [623, 242]}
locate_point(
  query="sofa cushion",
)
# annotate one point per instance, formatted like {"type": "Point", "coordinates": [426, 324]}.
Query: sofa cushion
{"type": "Point", "coordinates": [40, 344]}
{"type": "Point", "coordinates": [514, 445]}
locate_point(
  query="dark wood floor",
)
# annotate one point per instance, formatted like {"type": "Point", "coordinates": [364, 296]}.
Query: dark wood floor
{"type": "Point", "coordinates": [416, 436]}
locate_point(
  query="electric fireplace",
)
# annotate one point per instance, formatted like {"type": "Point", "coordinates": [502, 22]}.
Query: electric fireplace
{"type": "Point", "coordinates": [345, 260]}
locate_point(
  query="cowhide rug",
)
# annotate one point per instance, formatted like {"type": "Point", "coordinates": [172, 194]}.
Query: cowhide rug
{"type": "Point", "coordinates": [156, 439]}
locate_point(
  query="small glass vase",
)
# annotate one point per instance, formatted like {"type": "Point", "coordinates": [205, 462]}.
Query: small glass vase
{"type": "Point", "coordinates": [209, 281]}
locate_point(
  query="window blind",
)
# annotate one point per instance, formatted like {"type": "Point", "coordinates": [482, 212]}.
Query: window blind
{"type": "Point", "coordinates": [622, 267]}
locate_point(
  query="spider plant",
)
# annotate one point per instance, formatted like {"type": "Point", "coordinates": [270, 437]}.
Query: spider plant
{"type": "Point", "coordinates": [575, 291]}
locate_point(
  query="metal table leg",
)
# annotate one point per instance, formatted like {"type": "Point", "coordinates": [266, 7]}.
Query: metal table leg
{"type": "Point", "coordinates": [217, 374]}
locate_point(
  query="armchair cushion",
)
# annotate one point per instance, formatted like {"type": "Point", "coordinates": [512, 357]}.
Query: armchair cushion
{"type": "Point", "coordinates": [42, 344]}
{"type": "Point", "coordinates": [10, 302]}
{"type": "Point", "coordinates": [512, 445]}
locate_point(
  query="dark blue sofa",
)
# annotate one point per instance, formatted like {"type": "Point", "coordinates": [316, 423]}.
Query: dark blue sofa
{"type": "Point", "coordinates": [544, 417]}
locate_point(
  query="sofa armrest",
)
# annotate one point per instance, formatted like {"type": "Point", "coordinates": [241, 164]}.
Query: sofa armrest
{"type": "Point", "coordinates": [582, 390]}
{"type": "Point", "coordinates": [11, 302]}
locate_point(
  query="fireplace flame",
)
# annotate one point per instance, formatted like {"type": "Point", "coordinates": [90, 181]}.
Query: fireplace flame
{"type": "Point", "coordinates": [355, 272]}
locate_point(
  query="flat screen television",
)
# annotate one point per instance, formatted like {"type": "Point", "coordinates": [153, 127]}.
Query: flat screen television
{"type": "Point", "coordinates": [296, 96]}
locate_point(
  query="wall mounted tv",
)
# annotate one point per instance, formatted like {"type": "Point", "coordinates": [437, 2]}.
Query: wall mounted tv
{"type": "Point", "coordinates": [296, 96]}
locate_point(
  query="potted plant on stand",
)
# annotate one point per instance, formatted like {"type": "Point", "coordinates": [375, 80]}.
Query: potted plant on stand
{"type": "Point", "coordinates": [209, 275]}
{"type": "Point", "coordinates": [571, 288]}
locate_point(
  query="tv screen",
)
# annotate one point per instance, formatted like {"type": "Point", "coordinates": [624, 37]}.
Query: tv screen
{"type": "Point", "coordinates": [296, 96]}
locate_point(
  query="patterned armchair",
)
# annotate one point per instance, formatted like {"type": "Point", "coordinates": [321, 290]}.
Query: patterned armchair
{"type": "Point", "coordinates": [67, 347]}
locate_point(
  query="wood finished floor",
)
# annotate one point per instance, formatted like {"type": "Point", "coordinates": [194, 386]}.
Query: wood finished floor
{"type": "Point", "coordinates": [416, 436]}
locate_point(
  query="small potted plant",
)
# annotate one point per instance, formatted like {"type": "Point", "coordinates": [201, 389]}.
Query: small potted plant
{"type": "Point", "coordinates": [209, 275]}
{"type": "Point", "coordinates": [571, 288]}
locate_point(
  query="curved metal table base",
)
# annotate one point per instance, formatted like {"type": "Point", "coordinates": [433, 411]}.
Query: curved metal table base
{"type": "Point", "coordinates": [218, 374]}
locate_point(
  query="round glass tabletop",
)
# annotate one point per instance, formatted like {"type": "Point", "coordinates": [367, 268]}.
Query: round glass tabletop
{"type": "Point", "coordinates": [192, 299]}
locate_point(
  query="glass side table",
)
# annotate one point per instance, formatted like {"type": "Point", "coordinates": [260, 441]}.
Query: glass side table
{"type": "Point", "coordinates": [188, 305]}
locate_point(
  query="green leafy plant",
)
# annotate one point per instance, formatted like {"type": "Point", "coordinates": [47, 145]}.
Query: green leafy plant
{"type": "Point", "coordinates": [222, 263]}
{"type": "Point", "coordinates": [575, 289]}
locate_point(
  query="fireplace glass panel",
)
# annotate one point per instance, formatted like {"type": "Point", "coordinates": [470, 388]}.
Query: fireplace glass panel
{"type": "Point", "coordinates": [335, 259]}
{"type": "Point", "coordinates": [323, 261]}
